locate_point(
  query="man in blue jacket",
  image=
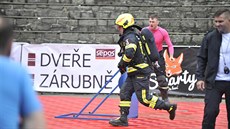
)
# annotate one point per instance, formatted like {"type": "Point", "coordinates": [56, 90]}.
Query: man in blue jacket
{"type": "Point", "coordinates": [214, 67]}
{"type": "Point", "coordinates": [20, 107]}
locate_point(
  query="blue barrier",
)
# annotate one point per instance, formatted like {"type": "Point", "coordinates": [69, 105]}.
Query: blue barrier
{"type": "Point", "coordinates": [133, 109]}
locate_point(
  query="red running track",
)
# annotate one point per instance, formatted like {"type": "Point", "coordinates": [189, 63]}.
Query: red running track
{"type": "Point", "coordinates": [189, 114]}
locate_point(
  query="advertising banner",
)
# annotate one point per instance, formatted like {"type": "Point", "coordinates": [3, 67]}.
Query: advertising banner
{"type": "Point", "coordinates": [180, 72]}
{"type": "Point", "coordinates": [16, 51]}
{"type": "Point", "coordinates": [77, 68]}
{"type": "Point", "coordinates": [85, 68]}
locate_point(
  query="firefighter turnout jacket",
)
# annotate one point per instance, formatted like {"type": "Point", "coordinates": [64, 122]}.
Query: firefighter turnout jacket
{"type": "Point", "coordinates": [133, 56]}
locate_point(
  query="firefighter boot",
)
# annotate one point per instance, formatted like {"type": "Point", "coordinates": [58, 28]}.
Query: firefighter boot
{"type": "Point", "coordinates": [122, 120]}
{"type": "Point", "coordinates": [172, 111]}
{"type": "Point", "coordinates": [171, 108]}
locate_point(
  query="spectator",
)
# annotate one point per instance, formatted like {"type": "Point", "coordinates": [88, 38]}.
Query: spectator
{"type": "Point", "coordinates": [213, 63]}
{"type": "Point", "coordinates": [20, 107]}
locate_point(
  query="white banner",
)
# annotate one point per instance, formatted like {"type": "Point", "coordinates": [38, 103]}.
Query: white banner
{"type": "Point", "coordinates": [75, 68]}
{"type": "Point", "coordinates": [16, 51]}
{"type": "Point", "coordinates": [85, 68]}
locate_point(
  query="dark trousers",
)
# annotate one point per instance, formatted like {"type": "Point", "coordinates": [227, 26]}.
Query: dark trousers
{"type": "Point", "coordinates": [161, 61]}
{"type": "Point", "coordinates": [160, 74]}
{"type": "Point", "coordinates": [212, 100]}
{"type": "Point", "coordinates": [137, 84]}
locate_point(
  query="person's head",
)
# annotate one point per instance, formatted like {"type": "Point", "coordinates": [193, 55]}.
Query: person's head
{"type": "Point", "coordinates": [124, 21]}
{"type": "Point", "coordinates": [222, 20]}
{"type": "Point", "coordinates": [6, 34]}
{"type": "Point", "coordinates": [153, 21]}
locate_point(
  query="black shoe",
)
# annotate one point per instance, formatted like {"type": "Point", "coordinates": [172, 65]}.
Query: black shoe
{"type": "Point", "coordinates": [172, 111]}
{"type": "Point", "coordinates": [118, 122]}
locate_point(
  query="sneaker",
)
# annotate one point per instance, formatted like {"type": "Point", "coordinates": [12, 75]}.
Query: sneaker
{"type": "Point", "coordinates": [118, 122]}
{"type": "Point", "coordinates": [172, 111]}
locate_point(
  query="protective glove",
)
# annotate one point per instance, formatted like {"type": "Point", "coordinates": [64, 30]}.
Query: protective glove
{"type": "Point", "coordinates": [121, 67]}
{"type": "Point", "coordinates": [122, 70]}
{"type": "Point", "coordinates": [120, 54]}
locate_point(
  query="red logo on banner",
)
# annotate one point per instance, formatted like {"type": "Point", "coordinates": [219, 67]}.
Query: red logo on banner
{"type": "Point", "coordinates": [105, 53]}
{"type": "Point", "coordinates": [173, 67]}
{"type": "Point", "coordinates": [31, 59]}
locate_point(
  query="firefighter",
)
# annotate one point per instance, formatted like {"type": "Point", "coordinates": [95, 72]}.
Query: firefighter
{"type": "Point", "coordinates": [134, 62]}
